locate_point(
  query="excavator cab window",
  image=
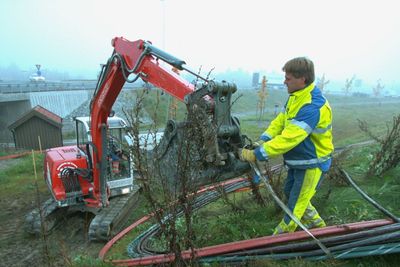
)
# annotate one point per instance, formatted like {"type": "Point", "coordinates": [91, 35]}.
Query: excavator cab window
{"type": "Point", "coordinates": [117, 154]}
{"type": "Point", "coordinates": [116, 136]}
{"type": "Point", "coordinates": [81, 135]}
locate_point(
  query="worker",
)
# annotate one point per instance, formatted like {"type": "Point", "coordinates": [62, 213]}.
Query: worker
{"type": "Point", "coordinates": [114, 153]}
{"type": "Point", "coordinates": [302, 132]}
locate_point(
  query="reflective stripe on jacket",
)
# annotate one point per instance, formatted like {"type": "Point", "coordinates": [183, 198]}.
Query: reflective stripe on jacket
{"type": "Point", "coordinates": [302, 133]}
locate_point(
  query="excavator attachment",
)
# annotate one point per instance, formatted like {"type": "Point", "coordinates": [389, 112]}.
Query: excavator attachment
{"type": "Point", "coordinates": [202, 149]}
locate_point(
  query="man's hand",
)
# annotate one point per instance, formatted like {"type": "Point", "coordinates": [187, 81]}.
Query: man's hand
{"type": "Point", "coordinates": [247, 155]}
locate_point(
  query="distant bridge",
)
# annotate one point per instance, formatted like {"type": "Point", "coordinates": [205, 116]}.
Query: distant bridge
{"type": "Point", "coordinates": [61, 98]}
{"type": "Point", "coordinates": [17, 87]}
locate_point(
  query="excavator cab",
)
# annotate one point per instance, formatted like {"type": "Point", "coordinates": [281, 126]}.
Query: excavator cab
{"type": "Point", "coordinates": [119, 170]}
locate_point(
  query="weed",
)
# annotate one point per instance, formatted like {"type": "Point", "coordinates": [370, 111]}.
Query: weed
{"type": "Point", "coordinates": [388, 156]}
{"type": "Point", "coordinates": [83, 260]}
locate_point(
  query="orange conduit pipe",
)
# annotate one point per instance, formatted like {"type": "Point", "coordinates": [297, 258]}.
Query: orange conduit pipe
{"type": "Point", "coordinates": [14, 156]}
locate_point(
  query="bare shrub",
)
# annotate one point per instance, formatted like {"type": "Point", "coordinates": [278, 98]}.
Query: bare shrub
{"type": "Point", "coordinates": [276, 180]}
{"type": "Point", "coordinates": [166, 174]}
{"type": "Point", "coordinates": [334, 176]}
{"type": "Point", "coordinates": [388, 155]}
{"type": "Point", "coordinates": [200, 150]}
{"type": "Point", "coordinates": [274, 177]}
{"type": "Point", "coordinates": [235, 206]}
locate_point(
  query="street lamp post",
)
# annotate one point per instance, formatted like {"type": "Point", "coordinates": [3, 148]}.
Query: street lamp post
{"type": "Point", "coordinates": [163, 47]}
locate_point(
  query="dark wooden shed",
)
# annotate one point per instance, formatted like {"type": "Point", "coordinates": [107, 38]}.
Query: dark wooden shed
{"type": "Point", "coordinates": [37, 124]}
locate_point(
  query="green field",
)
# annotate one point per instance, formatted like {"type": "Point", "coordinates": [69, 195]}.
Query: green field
{"type": "Point", "coordinates": [232, 219]}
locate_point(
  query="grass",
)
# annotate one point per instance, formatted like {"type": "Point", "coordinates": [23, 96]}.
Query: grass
{"type": "Point", "coordinates": [19, 179]}
{"type": "Point", "coordinates": [337, 204]}
{"type": "Point", "coordinates": [341, 205]}
{"type": "Point", "coordinates": [345, 124]}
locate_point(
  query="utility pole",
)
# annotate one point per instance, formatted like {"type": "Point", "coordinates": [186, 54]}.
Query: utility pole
{"type": "Point", "coordinates": [169, 98]}
{"type": "Point", "coordinates": [163, 24]}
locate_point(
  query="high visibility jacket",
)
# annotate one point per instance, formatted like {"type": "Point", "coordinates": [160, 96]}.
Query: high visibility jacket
{"type": "Point", "coordinates": [302, 132]}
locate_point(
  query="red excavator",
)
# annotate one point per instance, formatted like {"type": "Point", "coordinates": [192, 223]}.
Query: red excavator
{"type": "Point", "coordinates": [79, 177]}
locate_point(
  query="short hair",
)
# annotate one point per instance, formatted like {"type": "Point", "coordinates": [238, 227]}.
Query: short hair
{"type": "Point", "coordinates": [301, 67]}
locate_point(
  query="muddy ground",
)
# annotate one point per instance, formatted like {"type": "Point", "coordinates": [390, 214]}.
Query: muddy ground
{"type": "Point", "coordinates": [18, 248]}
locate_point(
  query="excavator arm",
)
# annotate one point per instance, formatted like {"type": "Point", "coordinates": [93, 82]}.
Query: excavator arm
{"type": "Point", "coordinates": [140, 59]}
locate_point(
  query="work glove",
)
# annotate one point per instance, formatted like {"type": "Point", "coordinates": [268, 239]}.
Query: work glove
{"type": "Point", "coordinates": [247, 155]}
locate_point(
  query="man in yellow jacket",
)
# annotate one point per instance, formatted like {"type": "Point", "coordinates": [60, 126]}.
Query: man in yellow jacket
{"type": "Point", "coordinates": [303, 134]}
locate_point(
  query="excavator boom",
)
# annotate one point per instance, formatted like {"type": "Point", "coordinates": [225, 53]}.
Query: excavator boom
{"type": "Point", "coordinates": [81, 177]}
{"type": "Point", "coordinates": [137, 58]}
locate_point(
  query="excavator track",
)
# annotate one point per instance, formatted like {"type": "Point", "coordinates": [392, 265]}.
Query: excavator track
{"type": "Point", "coordinates": [108, 221]}
{"type": "Point", "coordinates": [36, 223]}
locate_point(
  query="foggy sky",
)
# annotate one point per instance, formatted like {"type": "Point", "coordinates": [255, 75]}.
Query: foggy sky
{"type": "Point", "coordinates": [343, 38]}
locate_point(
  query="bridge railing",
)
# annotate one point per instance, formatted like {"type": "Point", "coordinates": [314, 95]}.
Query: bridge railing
{"type": "Point", "coordinates": [12, 88]}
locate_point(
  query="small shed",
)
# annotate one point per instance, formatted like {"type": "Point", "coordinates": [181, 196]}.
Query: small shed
{"type": "Point", "coordinates": [38, 128]}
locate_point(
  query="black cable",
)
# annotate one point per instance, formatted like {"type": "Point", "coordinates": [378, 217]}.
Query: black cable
{"type": "Point", "coordinates": [368, 198]}
{"type": "Point", "coordinates": [138, 248]}
{"type": "Point", "coordinates": [342, 247]}
{"type": "Point", "coordinates": [388, 248]}
{"type": "Point", "coordinates": [328, 241]}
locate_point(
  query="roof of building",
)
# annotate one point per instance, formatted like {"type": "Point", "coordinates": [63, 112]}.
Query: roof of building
{"type": "Point", "coordinates": [40, 112]}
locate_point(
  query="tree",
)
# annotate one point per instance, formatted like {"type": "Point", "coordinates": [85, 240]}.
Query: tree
{"type": "Point", "coordinates": [262, 95]}
{"type": "Point", "coordinates": [377, 89]}
{"type": "Point", "coordinates": [321, 82]}
{"type": "Point", "coordinates": [348, 85]}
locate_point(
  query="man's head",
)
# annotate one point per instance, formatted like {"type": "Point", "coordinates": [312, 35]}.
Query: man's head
{"type": "Point", "coordinates": [299, 73]}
